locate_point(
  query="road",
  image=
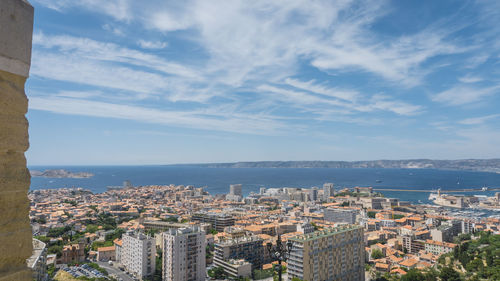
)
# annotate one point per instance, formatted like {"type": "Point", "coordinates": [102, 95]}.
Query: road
{"type": "Point", "coordinates": [113, 270]}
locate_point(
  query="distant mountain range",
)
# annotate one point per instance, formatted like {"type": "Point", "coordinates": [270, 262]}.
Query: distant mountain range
{"type": "Point", "coordinates": [482, 165]}
{"type": "Point", "coordinates": [61, 174]}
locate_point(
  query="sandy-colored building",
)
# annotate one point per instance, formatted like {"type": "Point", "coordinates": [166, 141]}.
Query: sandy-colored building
{"type": "Point", "coordinates": [331, 254]}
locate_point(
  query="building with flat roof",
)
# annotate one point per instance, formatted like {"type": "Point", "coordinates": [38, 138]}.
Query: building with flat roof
{"type": "Point", "coordinates": [249, 248]}
{"type": "Point", "coordinates": [138, 254]}
{"type": "Point", "coordinates": [184, 254]}
{"type": "Point", "coordinates": [340, 215]}
{"type": "Point", "coordinates": [336, 254]}
{"type": "Point", "coordinates": [218, 221]}
{"type": "Point", "coordinates": [38, 261]}
{"type": "Point", "coordinates": [328, 191]}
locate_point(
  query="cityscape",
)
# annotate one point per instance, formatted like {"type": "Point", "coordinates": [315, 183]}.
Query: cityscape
{"type": "Point", "coordinates": [176, 232]}
{"type": "Point", "coordinates": [237, 140]}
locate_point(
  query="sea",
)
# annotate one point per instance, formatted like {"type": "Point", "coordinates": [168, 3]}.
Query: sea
{"type": "Point", "coordinates": [217, 180]}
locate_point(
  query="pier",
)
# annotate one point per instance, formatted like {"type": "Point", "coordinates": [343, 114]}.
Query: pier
{"type": "Point", "coordinates": [445, 191]}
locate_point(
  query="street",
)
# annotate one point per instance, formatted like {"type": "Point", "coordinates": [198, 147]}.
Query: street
{"type": "Point", "coordinates": [113, 270]}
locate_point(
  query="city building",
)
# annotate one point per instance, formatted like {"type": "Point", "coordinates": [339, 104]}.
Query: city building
{"type": "Point", "coordinates": [118, 249]}
{"type": "Point", "coordinates": [340, 215]}
{"type": "Point", "coordinates": [138, 254]}
{"type": "Point", "coordinates": [249, 248]}
{"type": "Point", "coordinates": [438, 248]}
{"type": "Point", "coordinates": [328, 191]}
{"type": "Point", "coordinates": [184, 254]}
{"type": "Point", "coordinates": [305, 228]}
{"type": "Point", "coordinates": [106, 253]}
{"type": "Point", "coordinates": [236, 268]}
{"type": "Point", "coordinates": [443, 233]}
{"type": "Point", "coordinates": [72, 253]}
{"type": "Point", "coordinates": [331, 254]}
{"type": "Point", "coordinates": [218, 221]}
{"type": "Point", "coordinates": [38, 261]}
{"type": "Point", "coordinates": [313, 194]}
{"type": "Point", "coordinates": [235, 193]}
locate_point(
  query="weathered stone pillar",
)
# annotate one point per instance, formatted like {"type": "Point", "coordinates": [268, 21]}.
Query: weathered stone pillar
{"type": "Point", "coordinates": [16, 29]}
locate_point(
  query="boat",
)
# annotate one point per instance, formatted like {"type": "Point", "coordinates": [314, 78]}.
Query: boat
{"type": "Point", "coordinates": [378, 181]}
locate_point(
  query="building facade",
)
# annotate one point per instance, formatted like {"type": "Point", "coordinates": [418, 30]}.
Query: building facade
{"type": "Point", "coordinates": [38, 261]}
{"type": "Point", "coordinates": [335, 254]}
{"type": "Point", "coordinates": [249, 248]}
{"type": "Point", "coordinates": [328, 191]}
{"type": "Point", "coordinates": [216, 220]}
{"type": "Point", "coordinates": [340, 215]}
{"type": "Point", "coordinates": [184, 254]}
{"type": "Point", "coordinates": [138, 254]}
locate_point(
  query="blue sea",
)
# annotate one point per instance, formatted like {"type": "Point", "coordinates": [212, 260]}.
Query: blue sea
{"type": "Point", "coordinates": [217, 180]}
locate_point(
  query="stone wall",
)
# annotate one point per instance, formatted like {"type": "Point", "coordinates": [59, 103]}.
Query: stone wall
{"type": "Point", "coordinates": [16, 28]}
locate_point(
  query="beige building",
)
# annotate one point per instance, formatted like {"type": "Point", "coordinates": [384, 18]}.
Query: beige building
{"type": "Point", "coordinates": [106, 253]}
{"type": "Point", "coordinates": [330, 254]}
{"type": "Point", "coordinates": [138, 254]}
{"type": "Point", "coordinates": [184, 254]}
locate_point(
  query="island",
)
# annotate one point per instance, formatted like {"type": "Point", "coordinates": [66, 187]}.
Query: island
{"type": "Point", "coordinates": [60, 173]}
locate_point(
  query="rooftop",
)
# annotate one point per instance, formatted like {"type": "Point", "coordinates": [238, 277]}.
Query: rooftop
{"type": "Point", "coordinates": [325, 232]}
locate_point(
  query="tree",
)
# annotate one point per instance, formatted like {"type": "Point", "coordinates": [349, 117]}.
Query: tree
{"type": "Point", "coordinates": [449, 274]}
{"type": "Point", "coordinates": [413, 275]}
{"type": "Point", "coordinates": [371, 214]}
{"type": "Point", "coordinates": [217, 273]}
{"type": "Point", "coordinates": [377, 254]}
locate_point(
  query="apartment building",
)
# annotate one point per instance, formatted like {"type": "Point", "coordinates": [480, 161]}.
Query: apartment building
{"type": "Point", "coordinates": [138, 254]}
{"type": "Point", "coordinates": [38, 261]}
{"type": "Point", "coordinates": [328, 191]}
{"type": "Point", "coordinates": [340, 215]}
{"type": "Point", "coordinates": [438, 248]}
{"type": "Point", "coordinates": [335, 254]}
{"type": "Point", "coordinates": [249, 248]}
{"type": "Point", "coordinates": [184, 254]}
{"type": "Point", "coordinates": [217, 220]}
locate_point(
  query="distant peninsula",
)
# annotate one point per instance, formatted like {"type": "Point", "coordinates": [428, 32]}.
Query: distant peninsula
{"type": "Point", "coordinates": [61, 174]}
{"type": "Point", "coordinates": [479, 165]}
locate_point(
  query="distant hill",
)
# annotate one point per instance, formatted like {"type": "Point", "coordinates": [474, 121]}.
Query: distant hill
{"type": "Point", "coordinates": [60, 174]}
{"type": "Point", "coordinates": [483, 165]}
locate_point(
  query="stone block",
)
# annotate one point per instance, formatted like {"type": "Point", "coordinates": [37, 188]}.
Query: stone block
{"type": "Point", "coordinates": [16, 30]}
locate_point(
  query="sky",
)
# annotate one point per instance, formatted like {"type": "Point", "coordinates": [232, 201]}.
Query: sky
{"type": "Point", "coordinates": [124, 82]}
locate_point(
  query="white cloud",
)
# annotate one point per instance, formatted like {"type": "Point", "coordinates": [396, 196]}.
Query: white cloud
{"type": "Point", "coordinates": [470, 79]}
{"type": "Point", "coordinates": [464, 94]}
{"type": "Point", "coordinates": [113, 29]}
{"type": "Point", "coordinates": [323, 105]}
{"type": "Point", "coordinates": [241, 123]}
{"type": "Point", "coordinates": [478, 120]}
{"type": "Point", "coordinates": [311, 86]}
{"type": "Point", "coordinates": [118, 9]}
{"type": "Point", "coordinates": [152, 45]}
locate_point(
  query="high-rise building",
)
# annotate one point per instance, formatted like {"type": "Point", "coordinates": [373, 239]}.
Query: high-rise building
{"type": "Point", "coordinates": [235, 189]}
{"type": "Point", "coordinates": [340, 215]}
{"type": "Point", "coordinates": [328, 191]}
{"type": "Point", "coordinates": [235, 192]}
{"type": "Point", "coordinates": [184, 254]}
{"type": "Point", "coordinates": [249, 248]}
{"type": "Point", "coordinates": [313, 194]}
{"type": "Point", "coordinates": [335, 254]}
{"type": "Point", "coordinates": [138, 254]}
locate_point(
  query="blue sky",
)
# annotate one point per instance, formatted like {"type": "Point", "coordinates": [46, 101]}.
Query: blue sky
{"type": "Point", "coordinates": [159, 82]}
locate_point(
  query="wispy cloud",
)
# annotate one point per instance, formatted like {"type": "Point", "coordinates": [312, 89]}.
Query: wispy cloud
{"type": "Point", "coordinates": [152, 45]}
{"type": "Point", "coordinates": [478, 120]}
{"type": "Point", "coordinates": [193, 119]}
{"type": "Point", "coordinates": [470, 79]}
{"type": "Point", "coordinates": [464, 94]}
